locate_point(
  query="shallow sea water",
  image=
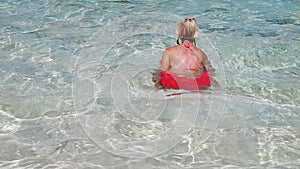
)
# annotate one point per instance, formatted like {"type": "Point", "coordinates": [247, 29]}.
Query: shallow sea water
{"type": "Point", "coordinates": [76, 89]}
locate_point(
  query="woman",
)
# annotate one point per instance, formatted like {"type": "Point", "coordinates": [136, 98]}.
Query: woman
{"type": "Point", "coordinates": [184, 66]}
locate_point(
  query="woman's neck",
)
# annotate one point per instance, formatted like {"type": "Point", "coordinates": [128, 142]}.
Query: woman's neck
{"type": "Point", "coordinates": [188, 40]}
{"type": "Point", "coordinates": [187, 43]}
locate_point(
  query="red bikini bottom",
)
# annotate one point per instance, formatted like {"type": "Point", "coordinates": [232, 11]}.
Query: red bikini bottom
{"type": "Point", "coordinates": [171, 80]}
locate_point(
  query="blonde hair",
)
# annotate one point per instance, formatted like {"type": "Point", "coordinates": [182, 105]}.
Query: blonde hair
{"type": "Point", "coordinates": [188, 30]}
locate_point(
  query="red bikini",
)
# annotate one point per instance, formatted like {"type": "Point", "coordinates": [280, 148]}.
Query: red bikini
{"type": "Point", "coordinates": [171, 80]}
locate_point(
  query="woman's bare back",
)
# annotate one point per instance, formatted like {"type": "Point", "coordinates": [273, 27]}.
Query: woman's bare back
{"type": "Point", "coordinates": [185, 59]}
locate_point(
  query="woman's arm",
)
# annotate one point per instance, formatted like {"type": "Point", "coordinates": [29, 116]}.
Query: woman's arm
{"type": "Point", "coordinates": [206, 63]}
{"type": "Point", "coordinates": [165, 61]}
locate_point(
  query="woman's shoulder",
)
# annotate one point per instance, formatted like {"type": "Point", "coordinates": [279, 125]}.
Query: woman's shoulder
{"type": "Point", "coordinates": [172, 48]}
{"type": "Point", "coordinates": [198, 50]}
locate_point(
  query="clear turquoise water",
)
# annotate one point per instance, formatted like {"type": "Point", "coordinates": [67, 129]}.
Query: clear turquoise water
{"type": "Point", "coordinates": [76, 90]}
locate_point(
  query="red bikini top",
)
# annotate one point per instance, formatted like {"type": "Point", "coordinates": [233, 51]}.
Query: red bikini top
{"type": "Point", "coordinates": [188, 44]}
